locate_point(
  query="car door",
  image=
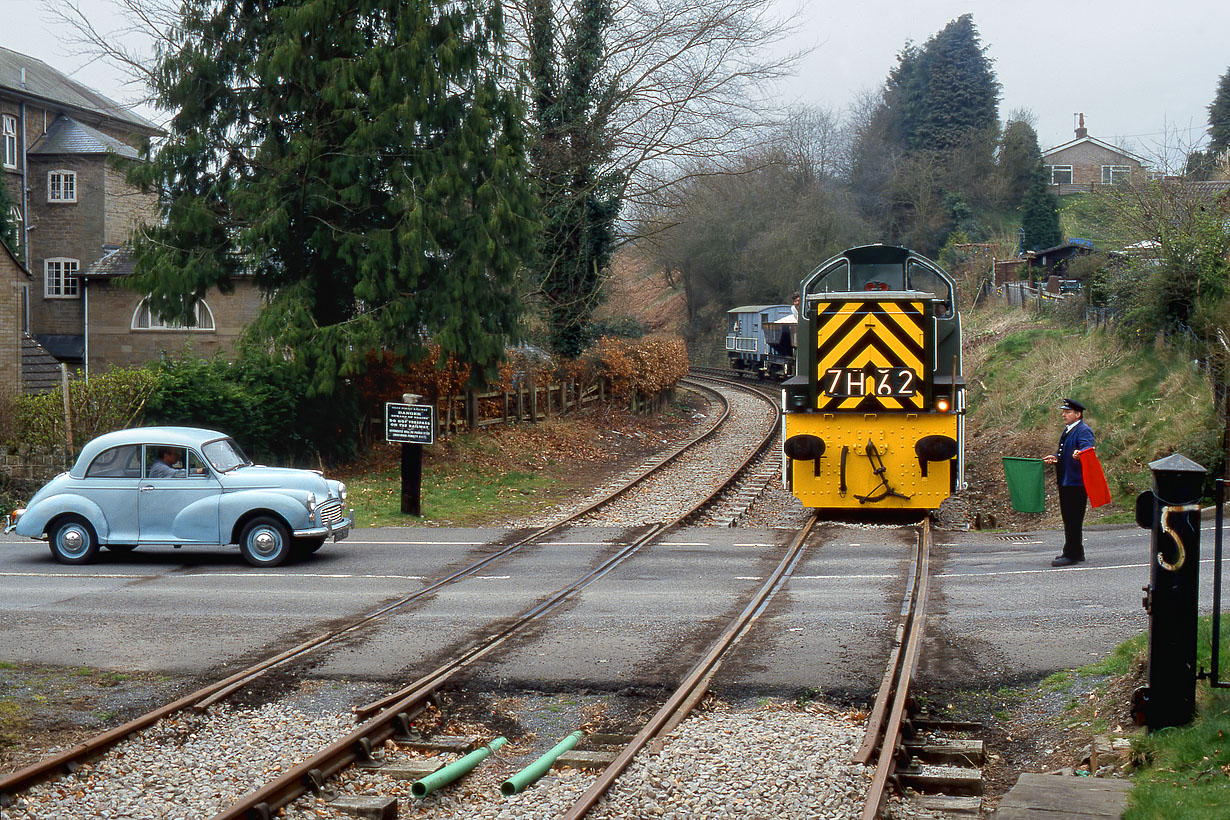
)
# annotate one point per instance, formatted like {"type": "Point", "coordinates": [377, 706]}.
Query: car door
{"type": "Point", "coordinates": [111, 482]}
{"type": "Point", "coordinates": [177, 503]}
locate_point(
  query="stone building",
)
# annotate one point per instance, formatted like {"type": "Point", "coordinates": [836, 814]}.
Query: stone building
{"type": "Point", "coordinates": [1084, 162]}
{"type": "Point", "coordinates": [64, 154]}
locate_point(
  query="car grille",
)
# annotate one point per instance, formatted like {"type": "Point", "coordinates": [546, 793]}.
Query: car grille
{"type": "Point", "coordinates": [331, 512]}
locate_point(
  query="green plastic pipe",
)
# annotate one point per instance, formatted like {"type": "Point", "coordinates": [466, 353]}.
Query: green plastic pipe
{"type": "Point", "coordinates": [443, 776]}
{"type": "Point", "coordinates": [539, 767]}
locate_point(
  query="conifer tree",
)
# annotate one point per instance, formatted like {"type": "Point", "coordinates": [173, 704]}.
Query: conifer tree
{"type": "Point", "coordinates": [1019, 155]}
{"type": "Point", "coordinates": [364, 163]}
{"type": "Point", "coordinates": [580, 195]}
{"type": "Point", "coordinates": [1040, 214]}
{"type": "Point", "coordinates": [1219, 116]}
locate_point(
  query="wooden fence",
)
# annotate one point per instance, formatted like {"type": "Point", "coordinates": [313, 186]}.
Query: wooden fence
{"type": "Point", "coordinates": [523, 403]}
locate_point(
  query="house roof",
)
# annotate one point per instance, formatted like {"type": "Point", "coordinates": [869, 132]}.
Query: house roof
{"type": "Point", "coordinates": [1094, 141]}
{"type": "Point", "coordinates": [7, 251]}
{"type": "Point", "coordinates": [67, 136]}
{"type": "Point", "coordinates": [115, 263]}
{"type": "Point", "coordinates": [46, 84]}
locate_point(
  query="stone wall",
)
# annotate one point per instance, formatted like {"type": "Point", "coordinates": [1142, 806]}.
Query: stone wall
{"type": "Point", "coordinates": [113, 342]}
{"type": "Point", "coordinates": [71, 230]}
{"type": "Point", "coordinates": [126, 207]}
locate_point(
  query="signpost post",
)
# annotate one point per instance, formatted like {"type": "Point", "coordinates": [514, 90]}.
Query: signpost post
{"type": "Point", "coordinates": [411, 425]}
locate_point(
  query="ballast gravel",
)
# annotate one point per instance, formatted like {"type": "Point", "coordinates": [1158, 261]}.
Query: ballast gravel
{"type": "Point", "coordinates": [776, 760]}
{"type": "Point", "coordinates": [186, 766]}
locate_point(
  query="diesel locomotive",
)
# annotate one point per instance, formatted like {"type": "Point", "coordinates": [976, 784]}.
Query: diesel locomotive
{"type": "Point", "coordinates": [874, 415]}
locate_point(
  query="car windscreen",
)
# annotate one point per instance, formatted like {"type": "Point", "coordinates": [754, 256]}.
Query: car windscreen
{"type": "Point", "coordinates": [225, 455]}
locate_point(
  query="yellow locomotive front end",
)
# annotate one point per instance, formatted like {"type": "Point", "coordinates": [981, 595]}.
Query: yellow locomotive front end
{"type": "Point", "coordinates": [874, 417]}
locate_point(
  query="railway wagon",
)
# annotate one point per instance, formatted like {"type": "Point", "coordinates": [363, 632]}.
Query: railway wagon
{"type": "Point", "coordinates": [874, 417]}
{"type": "Point", "coordinates": [761, 338]}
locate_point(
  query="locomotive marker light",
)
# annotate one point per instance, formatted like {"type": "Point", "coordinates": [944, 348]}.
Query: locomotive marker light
{"type": "Point", "coordinates": [1172, 512]}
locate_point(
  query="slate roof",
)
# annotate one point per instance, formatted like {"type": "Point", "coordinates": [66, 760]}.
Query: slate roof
{"type": "Point", "coordinates": [117, 262]}
{"type": "Point", "coordinates": [42, 82]}
{"type": "Point", "coordinates": [40, 372]}
{"type": "Point", "coordinates": [67, 136]}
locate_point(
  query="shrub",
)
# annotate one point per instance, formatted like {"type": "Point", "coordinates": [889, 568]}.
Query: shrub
{"type": "Point", "coordinates": [110, 401]}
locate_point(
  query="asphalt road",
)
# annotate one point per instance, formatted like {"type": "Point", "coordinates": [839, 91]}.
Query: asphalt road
{"type": "Point", "coordinates": [1000, 612]}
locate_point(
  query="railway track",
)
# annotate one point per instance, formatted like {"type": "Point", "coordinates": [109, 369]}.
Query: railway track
{"type": "Point", "coordinates": [200, 701]}
{"type": "Point", "coordinates": [362, 753]}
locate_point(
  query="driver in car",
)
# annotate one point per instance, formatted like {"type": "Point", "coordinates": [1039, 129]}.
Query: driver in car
{"type": "Point", "coordinates": [165, 467]}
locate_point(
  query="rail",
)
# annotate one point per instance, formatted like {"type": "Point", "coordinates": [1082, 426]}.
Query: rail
{"type": "Point", "coordinates": [884, 726]}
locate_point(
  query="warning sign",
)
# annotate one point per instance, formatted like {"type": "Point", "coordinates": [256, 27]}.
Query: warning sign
{"type": "Point", "coordinates": [409, 423]}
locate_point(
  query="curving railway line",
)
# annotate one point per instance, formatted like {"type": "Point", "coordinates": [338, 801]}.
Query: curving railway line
{"type": "Point", "coordinates": [682, 486]}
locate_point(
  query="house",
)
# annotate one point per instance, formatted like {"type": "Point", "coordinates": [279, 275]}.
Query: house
{"type": "Point", "coordinates": [64, 152]}
{"type": "Point", "coordinates": [1078, 165]}
{"type": "Point", "coordinates": [123, 331]}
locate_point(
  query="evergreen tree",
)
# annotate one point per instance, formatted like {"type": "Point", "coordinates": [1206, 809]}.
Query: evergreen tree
{"type": "Point", "coordinates": [1040, 214]}
{"type": "Point", "coordinates": [580, 197]}
{"type": "Point", "coordinates": [1219, 116]}
{"type": "Point", "coordinates": [944, 94]}
{"type": "Point", "coordinates": [364, 163]}
{"type": "Point", "coordinates": [962, 94]}
{"type": "Point", "coordinates": [1019, 155]}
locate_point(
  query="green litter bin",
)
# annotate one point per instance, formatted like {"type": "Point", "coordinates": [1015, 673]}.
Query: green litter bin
{"type": "Point", "coordinates": [1025, 478]}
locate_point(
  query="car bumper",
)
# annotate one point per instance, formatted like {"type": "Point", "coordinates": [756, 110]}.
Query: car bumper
{"type": "Point", "coordinates": [336, 531]}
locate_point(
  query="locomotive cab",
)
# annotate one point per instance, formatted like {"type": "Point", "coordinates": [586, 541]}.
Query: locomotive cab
{"type": "Point", "coordinates": [874, 417]}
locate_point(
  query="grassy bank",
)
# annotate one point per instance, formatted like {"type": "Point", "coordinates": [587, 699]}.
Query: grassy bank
{"type": "Point", "coordinates": [1145, 401]}
{"type": "Point", "coordinates": [1185, 772]}
{"type": "Point", "coordinates": [507, 472]}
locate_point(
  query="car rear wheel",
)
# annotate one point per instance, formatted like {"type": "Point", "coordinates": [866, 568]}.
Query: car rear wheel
{"type": "Point", "coordinates": [265, 542]}
{"type": "Point", "coordinates": [72, 540]}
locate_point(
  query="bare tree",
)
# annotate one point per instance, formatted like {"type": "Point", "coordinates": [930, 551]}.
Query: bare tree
{"type": "Point", "coordinates": [146, 27]}
{"type": "Point", "coordinates": [689, 80]}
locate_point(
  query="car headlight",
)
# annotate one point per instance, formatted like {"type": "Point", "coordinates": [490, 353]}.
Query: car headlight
{"type": "Point", "coordinates": [341, 491]}
{"type": "Point", "coordinates": [311, 502]}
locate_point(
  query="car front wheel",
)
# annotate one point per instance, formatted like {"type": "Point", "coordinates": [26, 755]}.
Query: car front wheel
{"type": "Point", "coordinates": [72, 540]}
{"type": "Point", "coordinates": [265, 542]}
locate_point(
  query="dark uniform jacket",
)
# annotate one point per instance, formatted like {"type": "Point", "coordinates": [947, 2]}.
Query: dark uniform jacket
{"type": "Point", "coordinates": [1068, 469]}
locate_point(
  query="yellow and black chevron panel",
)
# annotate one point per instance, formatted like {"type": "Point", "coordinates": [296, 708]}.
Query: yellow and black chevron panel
{"type": "Point", "coordinates": [872, 356]}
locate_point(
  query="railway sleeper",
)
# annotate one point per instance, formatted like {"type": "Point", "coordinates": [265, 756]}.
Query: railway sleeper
{"type": "Point", "coordinates": [926, 777]}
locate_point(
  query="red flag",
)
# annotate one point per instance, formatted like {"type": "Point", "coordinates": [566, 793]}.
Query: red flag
{"type": "Point", "coordinates": [1095, 479]}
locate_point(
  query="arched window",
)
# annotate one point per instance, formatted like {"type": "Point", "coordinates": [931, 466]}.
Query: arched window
{"type": "Point", "coordinates": [144, 319]}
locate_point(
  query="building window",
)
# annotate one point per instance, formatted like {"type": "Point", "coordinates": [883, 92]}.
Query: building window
{"type": "Point", "coordinates": [60, 280]}
{"type": "Point", "coordinates": [144, 319]}
{"type": "Point", "coordinates": [1115, 173]}
{"type": "Point", "coordinates": [62, 186]}
{"type": "Point", "coordinates": [15, 215]}
{"type": "Point", "coordinates": [1061, 174]}
{"type": "Point", "coordinates": [8, 132]}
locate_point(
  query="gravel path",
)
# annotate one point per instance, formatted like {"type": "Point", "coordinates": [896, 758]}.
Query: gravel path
{"type": "Point", "coordinates": [685, 482]}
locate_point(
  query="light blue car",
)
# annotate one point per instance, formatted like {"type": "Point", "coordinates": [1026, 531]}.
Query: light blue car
{"type": "Point", "coordinates": [182, 486]}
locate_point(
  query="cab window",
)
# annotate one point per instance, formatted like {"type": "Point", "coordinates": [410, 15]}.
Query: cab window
{"type": "Point", "coordinates": [928, 281]}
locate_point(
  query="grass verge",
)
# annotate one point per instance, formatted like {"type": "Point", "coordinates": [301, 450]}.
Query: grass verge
{"type": "Point", "coordinates": [1186, 771]}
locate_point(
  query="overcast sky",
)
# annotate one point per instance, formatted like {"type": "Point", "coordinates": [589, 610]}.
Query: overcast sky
{"type": "Point", "coordinates": [1142, 72]}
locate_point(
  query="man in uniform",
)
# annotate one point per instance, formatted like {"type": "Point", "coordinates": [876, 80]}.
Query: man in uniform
{"type": "Point", "coordinates": [1072, 496]}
